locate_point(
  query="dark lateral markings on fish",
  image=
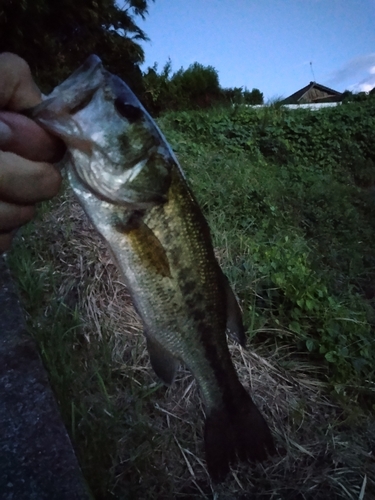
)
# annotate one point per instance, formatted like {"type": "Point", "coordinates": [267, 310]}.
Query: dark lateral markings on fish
{"type": "Point", "coordinates": [134, 191]}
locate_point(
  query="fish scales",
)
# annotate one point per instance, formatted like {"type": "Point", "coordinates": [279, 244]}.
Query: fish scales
{"type": "Point", "coordinates": [131, 186]}
{"type": "Point", "coordinates": [196, 309]}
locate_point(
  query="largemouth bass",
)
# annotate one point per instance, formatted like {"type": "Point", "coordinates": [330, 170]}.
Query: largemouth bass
{"type": "Point", "coordinates": [131, 186]}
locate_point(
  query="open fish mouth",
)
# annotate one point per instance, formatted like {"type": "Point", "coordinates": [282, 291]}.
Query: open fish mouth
{"type": "Point", "coordinates": [125, 161]}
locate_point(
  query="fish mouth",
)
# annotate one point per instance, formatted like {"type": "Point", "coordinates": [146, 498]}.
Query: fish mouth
{"type": "Point", "coordinates": [127, 163]}
{"type": "Point", "coordinates": [66, 98]}
{"type": "Point", "coordinates": [147, 201]}
{"type": "Point", "coordinates": [144, 183]}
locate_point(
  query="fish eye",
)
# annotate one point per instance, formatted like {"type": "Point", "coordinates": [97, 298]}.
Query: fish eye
{"type": "Point", "coordinates": [128, 111]}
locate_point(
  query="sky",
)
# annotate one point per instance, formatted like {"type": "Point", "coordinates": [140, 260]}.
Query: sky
{"type": "Point", "coordinates": [267, 44]}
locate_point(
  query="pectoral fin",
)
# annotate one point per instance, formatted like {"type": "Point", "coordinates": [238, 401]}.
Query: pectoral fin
{"type": "Point", "coordinates": [235, 328]}
{"type": "Point", "coordinates": [163, 363]}
{"type": "Point", "coordinates": [145, 243]}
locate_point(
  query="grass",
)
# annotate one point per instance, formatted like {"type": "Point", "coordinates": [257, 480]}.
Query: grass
{"type": "Point", "coordinates": [133, 437]}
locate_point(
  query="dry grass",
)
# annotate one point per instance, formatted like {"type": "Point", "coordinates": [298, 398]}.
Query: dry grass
{"type": "Point", "coordinates": [155, 441]}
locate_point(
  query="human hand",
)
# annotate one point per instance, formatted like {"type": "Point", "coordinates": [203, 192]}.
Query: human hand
{"type": "Point", "coordinates": [26, 150]}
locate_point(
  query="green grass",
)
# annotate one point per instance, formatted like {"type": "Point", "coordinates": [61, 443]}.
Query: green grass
{"type": "Point", "coordinates": [283, 197]}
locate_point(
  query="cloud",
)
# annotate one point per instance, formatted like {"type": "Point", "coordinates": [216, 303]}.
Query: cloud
{"type": "Point", "coordinates": [366, 84]}
{"type": "Point", "coordinates": [354, 68]}
{"type": "Point", "coordinates": [360, 70]}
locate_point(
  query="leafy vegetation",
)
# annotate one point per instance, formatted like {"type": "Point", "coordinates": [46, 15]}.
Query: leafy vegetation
{"type": "Point", "coordinates": [55, 37]}
{"type": "Point", "coordinates": [292, 191]}
{"type": "Point", "coordinates": [196, 87]}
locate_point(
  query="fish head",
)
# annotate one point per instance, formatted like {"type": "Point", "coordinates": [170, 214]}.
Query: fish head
{"type": "Point", "coordinates": [114, 146]}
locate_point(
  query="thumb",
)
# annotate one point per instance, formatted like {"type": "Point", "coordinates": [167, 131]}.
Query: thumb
{"type": "Point", "coordinates": [24, 137]}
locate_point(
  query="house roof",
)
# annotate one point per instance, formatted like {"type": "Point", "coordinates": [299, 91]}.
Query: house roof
{"type": "Point", "coordinates": [297, 96]}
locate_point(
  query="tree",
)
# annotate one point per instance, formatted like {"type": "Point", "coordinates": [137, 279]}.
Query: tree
{"type": "Point", "coordinates": [55, 37]}
{"type": "Point", "coordinates": [157, 95]}
{"type": "Point", "coordinates": [253, 97]}
{"type": "Point", "coordinates": [348, 96]}
{"type": "Point", "coordinates": [236, 95]}
{"type": "Point", "coordinates": [233, 95]}
{"type": "Point", "coordinates": [197, 86]}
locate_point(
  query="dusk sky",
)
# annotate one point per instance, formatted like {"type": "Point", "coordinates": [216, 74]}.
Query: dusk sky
{"type": "Point", "coordinates": [267, 44]}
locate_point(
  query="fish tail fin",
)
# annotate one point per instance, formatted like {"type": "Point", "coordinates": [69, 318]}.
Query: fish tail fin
{"type": "Point", "coordinates": [236, 433]}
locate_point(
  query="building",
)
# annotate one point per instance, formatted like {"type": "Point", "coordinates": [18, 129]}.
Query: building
{"type": "Point", "coordinates": [314, 93]}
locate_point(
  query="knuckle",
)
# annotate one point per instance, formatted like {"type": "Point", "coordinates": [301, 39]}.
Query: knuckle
{"type": "Point", "coordinates": [18, 64]}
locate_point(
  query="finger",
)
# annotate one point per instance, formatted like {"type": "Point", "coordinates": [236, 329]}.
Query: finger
{"type": "Point", "coordinates": [6, 241]}
{"type": "Point", "coordinates": [24, 137]}
{"type": "Point", "coordinates": [27, 182]}
{"type": "Point", "coordinates": [14, 216]}
{"type": "Point", "coordinates": [17, 87]}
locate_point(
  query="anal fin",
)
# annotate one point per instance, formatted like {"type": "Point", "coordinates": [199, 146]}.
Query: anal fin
{"type": "Point", "coordinates": [164, 364]}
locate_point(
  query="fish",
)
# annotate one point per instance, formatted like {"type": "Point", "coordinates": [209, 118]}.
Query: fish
{"type": "Point", "coordinates": [131, 186]}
